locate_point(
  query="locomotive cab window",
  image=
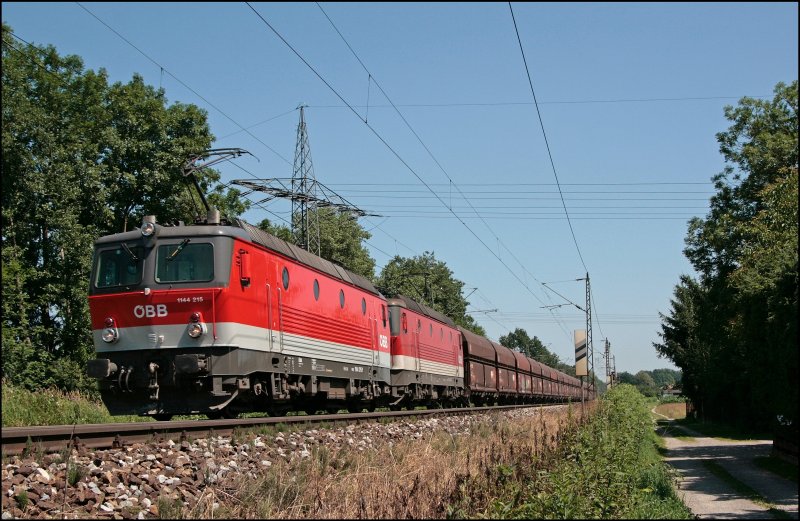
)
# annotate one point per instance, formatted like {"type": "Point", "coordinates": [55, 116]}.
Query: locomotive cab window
{"type": "Point", "coordinates": [185, 262]}
{"type": "Point", "coordinates": [121, 266]}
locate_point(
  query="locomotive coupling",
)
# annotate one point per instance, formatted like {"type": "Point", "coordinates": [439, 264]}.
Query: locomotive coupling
{"type": "Point", "coordinates": [191, 364]}
{"type": "Point", "coordinates": [100, 368]}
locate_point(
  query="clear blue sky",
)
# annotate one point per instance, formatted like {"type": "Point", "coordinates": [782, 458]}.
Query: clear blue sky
{"type": "Point", "coordinates": [631, 95]}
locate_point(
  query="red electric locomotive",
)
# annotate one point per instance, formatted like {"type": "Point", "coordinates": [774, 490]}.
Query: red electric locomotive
{"type": "Point", "coordinates": [222, 318]}
{"type": "Point", "coordinates": [427, 362]}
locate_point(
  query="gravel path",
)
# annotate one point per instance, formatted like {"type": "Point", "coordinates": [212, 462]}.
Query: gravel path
{"type": "Point", "coordinates": [708, 496]}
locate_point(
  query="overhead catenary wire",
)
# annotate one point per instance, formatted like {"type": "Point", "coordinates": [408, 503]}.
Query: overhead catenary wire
{"type": "Point", "coordinates": [552, 102]}
{"type": "Point", "coordinates": [378, 135]}
{"type": "Point", "coordinates": [391, 149]}
{"type": "Point", "coordinates": [544, 134]}
{"type": "Point", "coordinates": [435, 160]}
{"type": "Point", "coordinates": [164, 69]}
{"type": "Point", "coordinates": [550, 156]}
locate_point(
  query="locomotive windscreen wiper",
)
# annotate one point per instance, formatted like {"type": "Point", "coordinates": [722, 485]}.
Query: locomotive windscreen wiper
{"type": "Point", "coordinates": [132, 255]}
{"type": "Point", "coordinates": [178, 249]}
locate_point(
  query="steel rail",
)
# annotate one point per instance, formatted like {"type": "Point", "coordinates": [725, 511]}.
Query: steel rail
{"type": "Point", "coordinates": [53, 438]}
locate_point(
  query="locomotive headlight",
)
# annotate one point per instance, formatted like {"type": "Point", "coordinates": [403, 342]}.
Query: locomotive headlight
{"type": "Point", "coordinates": [148, 225]}
{"type": "Point", "coordinates": [148, 229]}
{"type": "Point", "coordinates": [110, 335]}
{"type": "Point", "coordinates": [196, 329]}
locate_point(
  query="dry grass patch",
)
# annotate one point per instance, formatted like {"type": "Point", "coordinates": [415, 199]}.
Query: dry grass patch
{"type": "Point", "coordinates": [673, 411]}
{"type": "Point", "coordinates": [441, 475]}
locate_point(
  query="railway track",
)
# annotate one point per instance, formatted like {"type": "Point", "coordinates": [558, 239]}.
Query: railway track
{"type": "Point", "coordinates": [53, 438]}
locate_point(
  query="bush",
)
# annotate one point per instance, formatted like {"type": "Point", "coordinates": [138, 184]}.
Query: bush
{"type": "Point", "coordinates": [608, 469]}
{"type": "Point", "coordinates": [23, 408]}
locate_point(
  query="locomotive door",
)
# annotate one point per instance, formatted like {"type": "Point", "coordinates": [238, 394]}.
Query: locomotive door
{"type": "Point", "coordinates": [274, 321]}
{"type": "Point", "coordinates": [415, 340]}
{"type": "Point", "coordinates": [278, 346]}
{"type": "Point", "coordinates": [373, 325]}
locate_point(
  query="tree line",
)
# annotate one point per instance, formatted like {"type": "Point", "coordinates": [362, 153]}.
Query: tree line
{"type": "Point", "coordinates": [651, 383]}
{"type": "Point", "coordinates": [82, 158]}
{"type": "Point", "coordinates": [732, 328]}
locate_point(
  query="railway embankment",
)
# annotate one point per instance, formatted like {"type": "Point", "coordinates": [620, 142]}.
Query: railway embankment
{"type": "Point", "coordinates": [424, 468]}
{"type": "Point", "coordinates": [552, 462]}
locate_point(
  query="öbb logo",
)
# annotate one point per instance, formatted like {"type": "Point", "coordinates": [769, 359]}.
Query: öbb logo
{"type": "Point", "coordinates": [150, 311]}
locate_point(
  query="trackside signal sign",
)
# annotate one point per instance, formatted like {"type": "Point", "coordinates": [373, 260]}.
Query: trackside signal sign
{"type": "Point", "coordinates": [581, 360]}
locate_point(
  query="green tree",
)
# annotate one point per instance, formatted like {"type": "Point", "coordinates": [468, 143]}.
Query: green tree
{"type": "Point", "coordinates": [430, 282]}
{"type": "Point", "coordinates": [81, 159]}
{"type": "Point", "coordinates": [519, 340]}
{"type": "Point", "coordinates": [340, 241]}
{"type": "Point", "coordinates": [645, 383]}
{"type": "Point", "coordinates": [278, 230]}
{"type": "Point", "coordinates": [665, 377]}
{"type": "Point", "coordinates": [626, 378]}
{"type": "Point", "coordinates": [734, 332]}
{"type": "Point", "coordinates": [759, 148]}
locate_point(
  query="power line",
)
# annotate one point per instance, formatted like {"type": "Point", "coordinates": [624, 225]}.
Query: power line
{"type": "Point", "coordinates": [540, 192]}
{"type": "Point", "coordinates": [547, 144]}
{"type": "Point", "coordinates": [424, 207]}
{"type": "Point", "coordinates": [396, 154]}
{"type": "Point", "coordinates": [537, 184]}
{"type": "Point", "coordinates": [555, 102]}
{"type": "Point", "coordinates": [164, 69]}
{"type": "Point", "coordinates": [598, 218]}
{"type": "Point", "coordinates": [427, 149]}
{"type": "Point", "coordinates": [525, 197]}
{"type": "Point", "coordinates": [257, 124]}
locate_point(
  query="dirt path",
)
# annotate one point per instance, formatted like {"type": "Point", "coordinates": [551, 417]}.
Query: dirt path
{"type": "Point", "coordinates": [707, 495]}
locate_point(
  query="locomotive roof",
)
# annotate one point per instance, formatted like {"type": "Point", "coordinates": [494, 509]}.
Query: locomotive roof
{"type": "Point", "coordinates": [247, 231]}
{"type": "Point", "coordinates": [425, 310]}
{"type": "Point", "coordinates": [287, 249]}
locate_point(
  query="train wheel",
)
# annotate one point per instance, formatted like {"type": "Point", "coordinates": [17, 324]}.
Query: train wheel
{"type": "Point", "coordinates": [371, 407]}
{"type": "Point", "coordinates": [162, 417]}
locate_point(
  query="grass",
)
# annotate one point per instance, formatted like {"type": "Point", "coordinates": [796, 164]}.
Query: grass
{"type": "Point", "coordinates": [777, 466]}
{"type": "Point", "coordinates": [673, 411]}
{"type": "Point", "coordinates": [743, 489]}
{"type": "Point", "coordinates": [439, 475]}
{"type": "Point", "coordinates": [554, 464]}
{"type": "Point", "coordinates": [23, 408]}
{"type": "Point", "coordinates": [610, 468]}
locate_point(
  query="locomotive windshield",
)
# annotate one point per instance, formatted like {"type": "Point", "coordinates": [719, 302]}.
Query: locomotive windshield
{"type": "Point", "coordinates": [185, 262]}
{"type": "Point", "coordinates": [120, 266]}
